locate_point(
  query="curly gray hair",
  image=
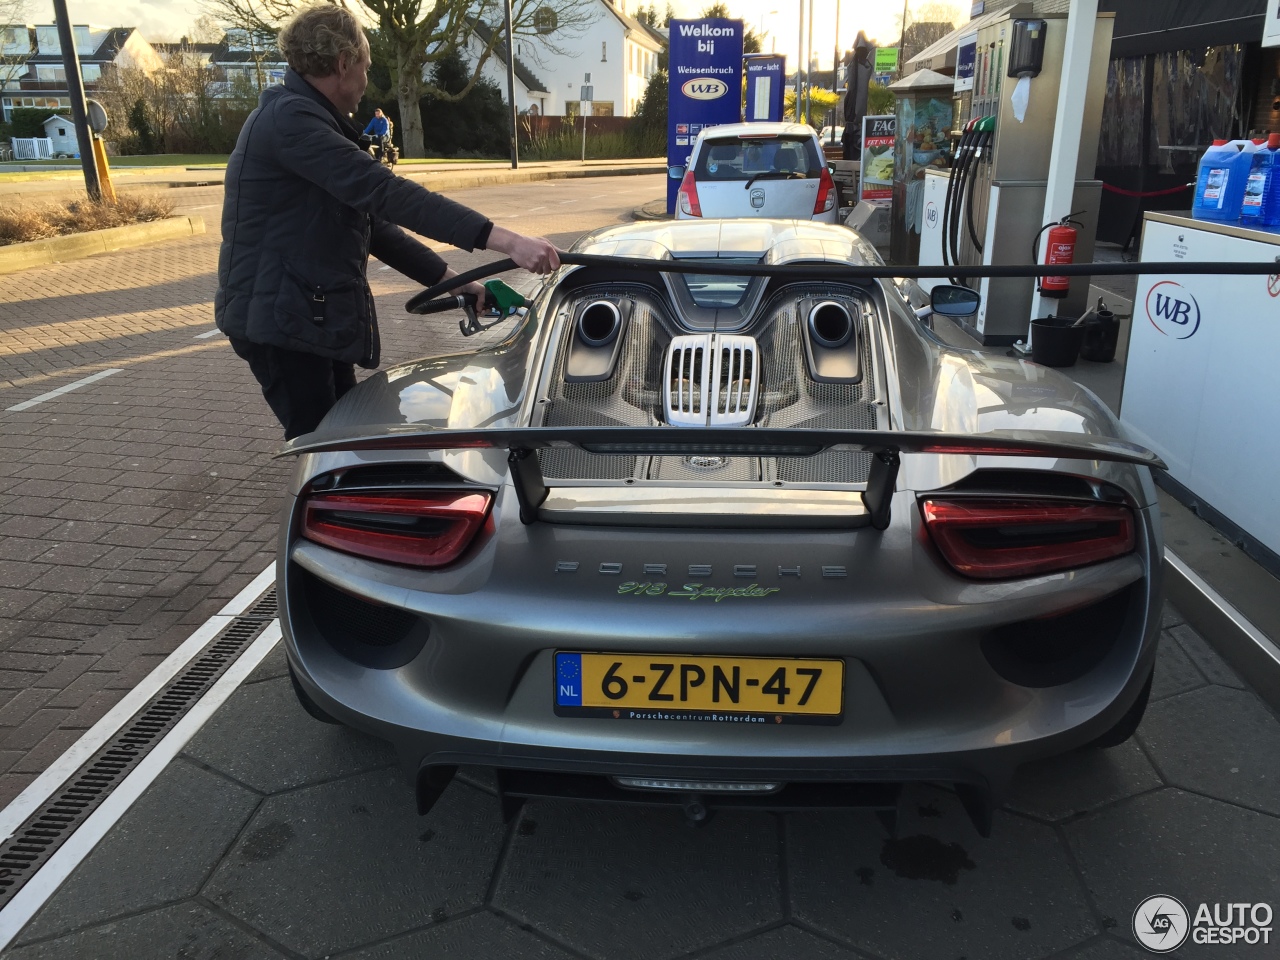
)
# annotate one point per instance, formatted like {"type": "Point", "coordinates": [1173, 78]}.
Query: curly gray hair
{"type": "Point", "coordinates": [317, 36]}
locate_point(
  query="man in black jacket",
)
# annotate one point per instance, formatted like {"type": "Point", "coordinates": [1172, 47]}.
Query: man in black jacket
{"type": "Point", "coordinates": [304, 208]}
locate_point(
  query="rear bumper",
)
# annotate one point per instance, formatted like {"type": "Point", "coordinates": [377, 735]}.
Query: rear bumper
{"type": "Point", "coordinates": [924, 698]}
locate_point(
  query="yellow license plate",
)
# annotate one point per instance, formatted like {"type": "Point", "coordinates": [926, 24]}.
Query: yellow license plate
{"type": "Point", "coordinates": [661, 687]}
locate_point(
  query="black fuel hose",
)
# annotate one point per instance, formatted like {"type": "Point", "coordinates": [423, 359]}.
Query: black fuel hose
{"type": "Point", "coordinates": [983, 142]}
{"type": "Point", "coordinates": [846, 273]}
{"type": "Point", "coordinates": [953, 221]}
{"type": "Point", "coordinates": [957, 174]}
{"type": "Point", "coordinates": [443, 304]}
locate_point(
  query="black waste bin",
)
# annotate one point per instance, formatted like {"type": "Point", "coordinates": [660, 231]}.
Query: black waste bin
{"type": "Point", "coordinates": [1055, 342]}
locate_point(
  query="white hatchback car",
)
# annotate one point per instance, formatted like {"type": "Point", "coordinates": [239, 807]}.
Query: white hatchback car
{"type": "Point", "coordinates": [773, 170]}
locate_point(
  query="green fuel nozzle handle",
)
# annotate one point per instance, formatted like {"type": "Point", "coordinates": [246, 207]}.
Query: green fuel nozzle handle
{"type": "Point", "coordinates": [502, 298]}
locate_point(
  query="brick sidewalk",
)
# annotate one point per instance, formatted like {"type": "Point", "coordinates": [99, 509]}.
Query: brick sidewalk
{"type": "Point", "coordinates": [131, 510]}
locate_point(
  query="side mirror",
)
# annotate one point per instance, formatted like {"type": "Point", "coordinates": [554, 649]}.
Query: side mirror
{"type": "Point", "coordinates": [675, 172]}
{"type": "Point", "coordinates": [952, 301]}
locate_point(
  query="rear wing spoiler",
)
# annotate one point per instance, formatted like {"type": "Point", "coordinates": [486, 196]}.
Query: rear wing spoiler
{"type": "Point", "coordinates": [884, 446]}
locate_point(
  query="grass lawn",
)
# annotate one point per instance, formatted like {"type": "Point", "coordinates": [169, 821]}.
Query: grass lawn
{"type": "Point", "coordinates": [155, 160]}
{"type": "Point", "coordinates": [449, 160]}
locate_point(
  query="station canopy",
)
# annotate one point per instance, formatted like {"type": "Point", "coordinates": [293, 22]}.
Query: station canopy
{"type": "Point", "coordinates": [1141, 27]}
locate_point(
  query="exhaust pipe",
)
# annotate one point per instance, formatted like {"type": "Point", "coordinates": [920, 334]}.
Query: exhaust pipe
{"type": "Point", "coordinates": [599, 323]}
{"type": "Point", "coordinates": [830, 325]}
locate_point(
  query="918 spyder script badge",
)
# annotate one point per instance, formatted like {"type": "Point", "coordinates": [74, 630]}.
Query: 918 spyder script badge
{"type": "Point", "coordinates": [695, 591]}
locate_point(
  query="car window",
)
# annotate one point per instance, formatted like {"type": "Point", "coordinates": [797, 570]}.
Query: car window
{"type": "Point", "coordinates": [715, 291]}
{"type": "Point", "coordinates": [742, 159]}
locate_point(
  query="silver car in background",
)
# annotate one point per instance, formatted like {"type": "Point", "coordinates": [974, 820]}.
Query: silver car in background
{"type": "Point", "coordinates": [758, 170]}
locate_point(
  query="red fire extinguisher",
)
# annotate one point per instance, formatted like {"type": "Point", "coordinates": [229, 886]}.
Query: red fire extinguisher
{"type": "Point", "coordinates": [1060, 249]}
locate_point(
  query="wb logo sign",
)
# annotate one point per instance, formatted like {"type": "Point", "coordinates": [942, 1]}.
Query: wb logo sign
{"type": "Point", "coordinates": [1173, 310]}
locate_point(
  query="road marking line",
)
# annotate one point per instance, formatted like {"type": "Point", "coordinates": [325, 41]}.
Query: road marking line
{"type": "Point", "coordinates": [563, 202]}
{"type": "Point", "coordinates": [60, 771]}
{"type": "Point", "coordinates": [207, 334]}
{"type": "Point", "coordinates": [80, 844]}
{"type": "Point", "coordinates": [247, 597]}
{"type": "Point", "coordinates": [145, 358]}
{"type": "Point", "coordinates": [535, 209]}
{"type": "Point", "coordinates": [83, 382]}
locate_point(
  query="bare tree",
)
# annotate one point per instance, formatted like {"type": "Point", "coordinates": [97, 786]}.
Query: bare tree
{"type": "Point", "coordinates": [182, 107]}
{"type": "Point", "coordinates": [412, 34]}
{"type": "Point", "coordinates": [752, 42]}
{"type": "Point", "coordinates": [926, 25]}
{"type": "Point", "coordinates": [13, 14]}
{"type": "Point", "coordinates": [205, 29]}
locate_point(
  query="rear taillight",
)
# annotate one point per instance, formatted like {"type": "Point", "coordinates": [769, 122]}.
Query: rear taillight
{"type": "Point", "coordinates": [826, 193]}
{"type": "Point", "coordinates": [429, 528]}
{"type": "Point", "coordinates": [1000, 539]}
{"type": "Point", "coordinates": [688, 197]}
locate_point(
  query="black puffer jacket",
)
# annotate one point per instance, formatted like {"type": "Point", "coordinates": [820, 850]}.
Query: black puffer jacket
{"type": "Point", "coordinates": [304, 208]}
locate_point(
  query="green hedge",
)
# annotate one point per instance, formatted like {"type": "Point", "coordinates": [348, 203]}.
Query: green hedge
{"type": "Point", "coordinates": [27, 122]}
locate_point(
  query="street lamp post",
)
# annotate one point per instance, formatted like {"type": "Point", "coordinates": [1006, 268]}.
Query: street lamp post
{"type": "Point", "coordinates": [75, 88]}
{"type": "Point", "coordinates": [902, 40]}
{"type": "Point", "coordinates": [808, 49]}
{"type": "Point", "coordinates": [800, 61]}
{"type": "Point", "coordinates": [511, 88]}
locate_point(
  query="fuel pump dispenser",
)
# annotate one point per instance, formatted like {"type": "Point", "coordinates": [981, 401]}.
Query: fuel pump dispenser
{"type": "Point", "coordinates": [987, 208]}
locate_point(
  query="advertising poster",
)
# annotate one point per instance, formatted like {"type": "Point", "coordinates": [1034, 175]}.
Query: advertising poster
{"type": "Point", "coordinates": [886, 59]}
{"type": "Point", "coordinates": [878, 134]}
{"type": "Point", "coordinates": [705, 88]}
{"type": "Point", "coordinates": [966, 54]}
{"type": "Point", "coordinates": [766, 85]}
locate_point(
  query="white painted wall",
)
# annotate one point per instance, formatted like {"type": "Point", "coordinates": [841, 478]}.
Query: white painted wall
{"type": "Point", "coordinates": [495, 70]}
{"type": "Point", "coordinates": [619, 66]}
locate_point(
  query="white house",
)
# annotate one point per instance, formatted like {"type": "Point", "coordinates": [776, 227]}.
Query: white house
{"type": "Point", "coordinates": [61, 131]}
{"type": "Point", "coordinates": [531, 91]}
{"type": "Point", "coordinates": [614, 54]}
{"type": "Point", "coordinates": [41, 81]}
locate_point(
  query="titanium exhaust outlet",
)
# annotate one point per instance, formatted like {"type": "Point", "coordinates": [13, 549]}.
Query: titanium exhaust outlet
{"type": "Point", "coordinates": [598, 324]}
{"type": "Point", "coordinates": [830, 324]}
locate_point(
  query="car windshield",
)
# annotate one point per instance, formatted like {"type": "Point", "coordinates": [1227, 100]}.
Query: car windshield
{"type": "Point", "coordinates": [715, 291]}
{"type": "Point", "coordinates": [742, 159]}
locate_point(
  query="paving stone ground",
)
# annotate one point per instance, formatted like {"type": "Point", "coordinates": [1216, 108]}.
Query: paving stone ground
{"type": "Point", "coordinates": [133, 509]}
{"type": "Point", "coordinates": [274, 836]}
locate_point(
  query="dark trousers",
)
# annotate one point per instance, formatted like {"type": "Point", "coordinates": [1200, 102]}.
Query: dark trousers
{"type": "Point", "coordinates": [299, 387]}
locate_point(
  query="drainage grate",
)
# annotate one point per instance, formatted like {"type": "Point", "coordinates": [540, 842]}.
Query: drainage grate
{"type": "Point", "coordinates": [58, 817]}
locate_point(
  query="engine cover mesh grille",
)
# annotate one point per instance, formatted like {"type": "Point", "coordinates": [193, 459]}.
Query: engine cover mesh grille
{"type": "Point", "coordinates": [785, 395]}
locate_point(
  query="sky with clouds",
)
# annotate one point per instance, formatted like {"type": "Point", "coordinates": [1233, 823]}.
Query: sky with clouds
{"type": "Point", "coordinates": [778, 20]}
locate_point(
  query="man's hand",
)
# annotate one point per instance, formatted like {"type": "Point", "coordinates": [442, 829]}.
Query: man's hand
{"type": "Point", "coordinates": [533, 253]}
{"type": "Point", "coordinates": [475, 287]}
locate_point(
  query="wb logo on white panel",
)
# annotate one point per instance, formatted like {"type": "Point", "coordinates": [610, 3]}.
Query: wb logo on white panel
{"type": "Point", "coordinates": [705, 88]}
{"type": "Point", "coordinates": [1173, 310]}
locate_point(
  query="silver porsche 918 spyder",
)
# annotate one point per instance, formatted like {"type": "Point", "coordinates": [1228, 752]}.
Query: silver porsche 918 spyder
{"type": "Point", "coordinates": [721, 522]}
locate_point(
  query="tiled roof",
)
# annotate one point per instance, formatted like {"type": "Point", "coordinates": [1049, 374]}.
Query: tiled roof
{"type": "Point", "coordinates": [106, 52]}
{"type": "Point", "coordinates": [631, 23]}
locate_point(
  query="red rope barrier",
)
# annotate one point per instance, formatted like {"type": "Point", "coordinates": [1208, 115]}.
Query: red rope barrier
{"type": "Point", "coordinates": [1146, 193]}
